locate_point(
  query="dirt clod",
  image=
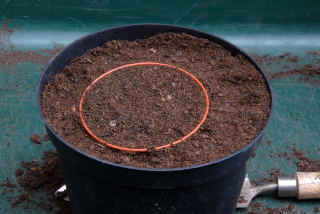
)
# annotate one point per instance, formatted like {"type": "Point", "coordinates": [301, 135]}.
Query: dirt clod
{"type": "Point", "coordinates": [36, 138]}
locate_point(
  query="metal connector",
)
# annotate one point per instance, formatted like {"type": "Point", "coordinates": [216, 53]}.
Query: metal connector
{"type": "Point", "coordinates": [287, 187]}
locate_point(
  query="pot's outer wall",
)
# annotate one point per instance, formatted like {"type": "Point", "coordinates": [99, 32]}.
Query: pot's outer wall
{"type": "Point", "coordinates": [97, 186]}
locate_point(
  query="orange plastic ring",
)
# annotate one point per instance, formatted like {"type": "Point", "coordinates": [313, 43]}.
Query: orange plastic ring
{"type": "Point", "coordinates": [204, 117]}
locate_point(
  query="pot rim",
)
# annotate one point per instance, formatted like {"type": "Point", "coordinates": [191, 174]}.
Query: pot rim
{"type": "Point", "coordinates": [258, 68]}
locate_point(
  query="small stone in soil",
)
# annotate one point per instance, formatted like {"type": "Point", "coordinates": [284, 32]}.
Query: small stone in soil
{"type": "Point", "coordinates": [113, 123]}
{"type": "Point", "coordinates": [35, 138]}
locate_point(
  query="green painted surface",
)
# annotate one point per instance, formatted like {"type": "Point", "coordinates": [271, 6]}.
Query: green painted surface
{"type": "Point", "coordinates": [258, 27]}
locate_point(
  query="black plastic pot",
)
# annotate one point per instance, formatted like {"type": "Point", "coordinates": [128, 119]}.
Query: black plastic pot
{"type": "Point", "coordinates": [98, 186]}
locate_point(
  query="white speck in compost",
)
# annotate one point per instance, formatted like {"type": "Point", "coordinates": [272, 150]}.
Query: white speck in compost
{"type": "Point", "coordinates": [169, 97]}
{"type": "Point", "coordinates": [173, 84]}
{"type": "Point", "coordinates": [113, 123]}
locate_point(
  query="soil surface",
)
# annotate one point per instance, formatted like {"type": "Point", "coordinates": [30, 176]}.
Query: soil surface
{"type": "Point", "coordinates": [240, 101]}
{"type": "Point", "coordinates": [163, 107]}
